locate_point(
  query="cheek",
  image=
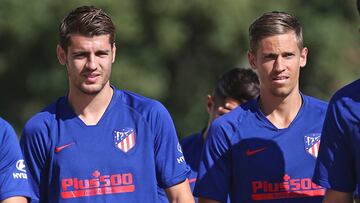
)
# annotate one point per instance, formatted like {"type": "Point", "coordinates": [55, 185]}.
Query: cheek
{"type": "Point", "coordinates": [266, 66]}
{"type": "Point", "coordinates": [264, 71]}
{"type": "Point", "coordinates": [73, 70]}
{"type": "Point", "coordinates": [105, 63]}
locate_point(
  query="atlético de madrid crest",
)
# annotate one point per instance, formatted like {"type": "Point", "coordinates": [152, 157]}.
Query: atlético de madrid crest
{"type": "Point", "coordinates": [312, 143]}
{"type": "Point", "coordinates": [124, 139]}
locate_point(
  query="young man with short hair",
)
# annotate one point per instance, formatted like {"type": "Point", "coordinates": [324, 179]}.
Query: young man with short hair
{"type": "Point", "coordinates": [99, 143]}
{"type": "Point", "coordinates": [265, 150]}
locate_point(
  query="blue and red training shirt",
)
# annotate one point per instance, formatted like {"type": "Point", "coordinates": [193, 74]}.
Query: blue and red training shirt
{"type": "Point", "coordinates": [131, 150]}
{"type": "Point", "coordinates": [248, 158]}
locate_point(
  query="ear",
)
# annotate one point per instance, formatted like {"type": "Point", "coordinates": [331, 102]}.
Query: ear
{"type": "Point", "coordinates": [303, 56]}
{"type": "Point", "coordinates": [113, 52]}
{"type": "Point", "coordinates": [252, 59]}
{"type": "Point", "coordinates": [61, 55]}
{"type": "Point", "coordinates": [209, 104]}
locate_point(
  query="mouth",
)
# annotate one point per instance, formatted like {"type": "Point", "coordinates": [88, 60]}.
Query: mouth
{"type": "Point", "coordinates": [91, 78]}
{"type": "Point", "coordinates": [280, 79]}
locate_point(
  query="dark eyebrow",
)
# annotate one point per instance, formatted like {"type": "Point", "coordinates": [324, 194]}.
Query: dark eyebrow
{"type": "Point", "coordinates": [80, 53]}
{"type": "Point", "coordinates": [103, 51]}
{"type": "Point", "coordinates": [288, 53]}
{"type": "Point", "coordinates": [270, 55]}
{"type": "Point", "coordinates": [77, 53]}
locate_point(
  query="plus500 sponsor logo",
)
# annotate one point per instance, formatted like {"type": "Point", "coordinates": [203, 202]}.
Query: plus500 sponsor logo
{"type": "Point", "coordinates": [289, 188]}
{"type": "Point", "coordinates": [99, 185]}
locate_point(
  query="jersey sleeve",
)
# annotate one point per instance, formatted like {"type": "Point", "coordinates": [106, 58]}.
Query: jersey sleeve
{"type": "Point", "coordinates": [171, 167]}
{"type": "Point", "coordinates": [33, 142]}
{"type": "Point", "coordinates": [213, 181]}
{"type": "Point", "coordinates": [335, 163]}
{"type": "Point", "coordinates": [13, 172]}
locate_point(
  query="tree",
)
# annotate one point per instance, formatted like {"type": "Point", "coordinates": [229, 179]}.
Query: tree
{"type": "Point", "coordinates": [169, 50]}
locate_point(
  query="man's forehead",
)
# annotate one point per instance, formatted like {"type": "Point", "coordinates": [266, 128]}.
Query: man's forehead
{"type": "Point", "coordinates": [77, 40]}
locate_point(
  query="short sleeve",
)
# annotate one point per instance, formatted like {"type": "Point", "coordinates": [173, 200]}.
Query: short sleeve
{"type": "Point", "coordinates": [335, 163]}
{"type": "Point", "coordinates": [171, 167]}
{"type": "Point", "coordinates": [213, 181]}
{"type": "Point", "coordinates": [33, 142]}
{"type": "Point", "coordinates": [13, 172]}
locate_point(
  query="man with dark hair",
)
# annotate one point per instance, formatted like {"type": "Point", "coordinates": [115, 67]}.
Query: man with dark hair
{"type": "Point", "coordinates": [14, 185]}
{"type": "Point", "coordinates": [265, 150]}
{"type": "Point", "coordinates": [233, 88]}
{"type": "Point", "coordinates": [99, 143]}
{"type": "Point", "coordinates": [338, 165]}
{"type": "Point", "coordinates": [237, 85]}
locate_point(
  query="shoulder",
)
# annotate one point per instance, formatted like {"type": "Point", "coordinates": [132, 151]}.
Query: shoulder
{"type": "Point", "coordinates": [6, 131]}
{"type": "Point", "coordinates": [139, 102]}
{"type": "Point", "coordinates": [245, 111]}
{"type": "Point", "coordinates": [314, 103]}
{"type": "Point", "coordinates": [148, 109]}
{"type": "Point", "coordinates": [348, 90]}
{"type": "Point", "coordinates": [348, 94]}
{"type": "Point", "coordinates": [4, 125]}
{"type": "Point", "coordinates": [226, 128]}
{"type": "Point", "coordinates": [41, 121]}
{"type": "Point", "coordinates": [345, 103]}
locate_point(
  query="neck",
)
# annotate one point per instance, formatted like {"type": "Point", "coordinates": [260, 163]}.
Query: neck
{"type": "Point", "coordinates": [280, 111]}
{"type": "Point", "coordinates": [205, 133]}
{"type": "Point", "coordinates": [206, 130]}
{"type": "Point", "coordinates": [90, 107]}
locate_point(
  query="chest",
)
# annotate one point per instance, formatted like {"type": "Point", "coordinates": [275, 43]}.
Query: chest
{"type": "Point", "coordinates": [114, 146]}
{"type": "Point", "coordinates": [268, 152]}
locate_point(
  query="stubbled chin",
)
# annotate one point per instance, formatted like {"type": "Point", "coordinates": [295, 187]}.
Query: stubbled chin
{"type": "Point", "coordinates": [91, 89]}
{"type": "Point", "coordinates": [281, 92]}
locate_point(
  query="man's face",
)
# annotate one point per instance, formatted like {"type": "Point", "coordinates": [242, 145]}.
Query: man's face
{"type": "Point", "coordinates": [88, 62]}
{"type": "Point", "coordinates": [277, 61]}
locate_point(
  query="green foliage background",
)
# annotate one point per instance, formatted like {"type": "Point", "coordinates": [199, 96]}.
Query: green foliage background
{"type": "Point", "coordinates": [172, 51]}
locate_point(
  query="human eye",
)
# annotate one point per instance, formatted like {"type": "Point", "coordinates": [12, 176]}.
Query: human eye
{"type": "Point", "coordinates": [288, 55]}
{"type": "Point", "coordinates": [270, 56]}
{"type": "Point", "coordinates": [79, 55]}
{"type": "Point", "coordinates": [102, 54]}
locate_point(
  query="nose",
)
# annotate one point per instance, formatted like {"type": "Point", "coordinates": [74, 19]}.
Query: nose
{"type": "Point", "coordinates": [91, 62]}
{"type": "Point", "coordinates": [279, 64]}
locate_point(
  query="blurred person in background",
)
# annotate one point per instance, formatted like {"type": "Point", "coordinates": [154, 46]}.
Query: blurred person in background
{"type": "Point", "coordinates": [232, 88]}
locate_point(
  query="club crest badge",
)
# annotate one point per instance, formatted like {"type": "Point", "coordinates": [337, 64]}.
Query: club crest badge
{"type": "Point", "coordinates": [312, 143]}
{"type": "Point", "coordinates": [124, 139]}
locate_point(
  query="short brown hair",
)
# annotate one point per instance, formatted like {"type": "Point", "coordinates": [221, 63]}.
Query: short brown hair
{"type": "Point", "coordinates": [88, 21]}
{"type": "Point", "coordinates": [274, 23]}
